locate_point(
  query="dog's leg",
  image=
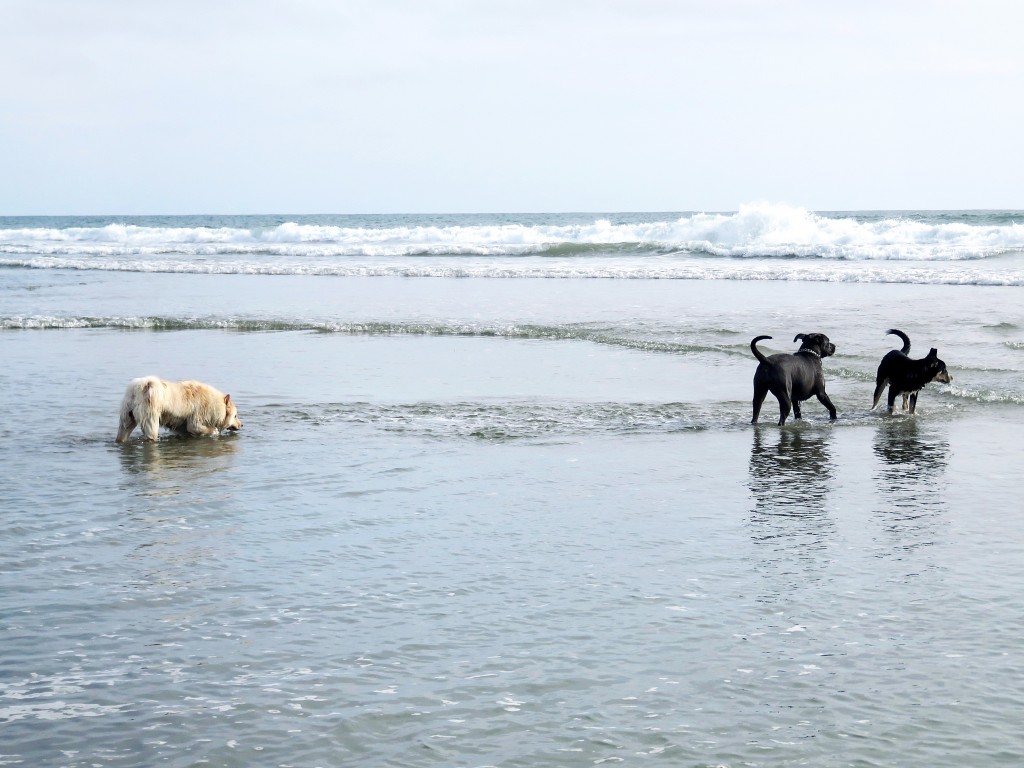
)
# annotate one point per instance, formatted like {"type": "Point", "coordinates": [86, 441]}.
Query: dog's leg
{"type": "Point", "coordinates": [196, 429]}
{"type": "Point", "coordinates": [125, 427]}
{"type": "Point", "coordinates": [905, 397]}
{"type": "Point", "coordinates": [760, 393]}
{"type": "Point", "coordinates": [891, 399]}
{"type": "Point", "coordinates": [785, 405]}
{"type": "Point", "coordinates": [150, 426]}
{"type": "Point", "coordinates": [913, 401]}
{"type": "Point", "coordinates": [824, 400]}
{"type": "Point", "coordinates": [796, 410]}
{"type": "Point", "coordinates": [147, 410]}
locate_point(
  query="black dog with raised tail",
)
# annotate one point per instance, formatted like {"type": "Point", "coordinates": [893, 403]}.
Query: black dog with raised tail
{"type": "Point", "coordinates": [906, 376]}
{"type": "Point", "coordinates": [793, 378]}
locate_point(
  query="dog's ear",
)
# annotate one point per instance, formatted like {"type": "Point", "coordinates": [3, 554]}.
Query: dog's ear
{"type": "Point", "coordinates": [227, 399]}
{"type": "Point", "coordinates": [800, 337]}
{"type": "Point", "coordinates": [933, 353]}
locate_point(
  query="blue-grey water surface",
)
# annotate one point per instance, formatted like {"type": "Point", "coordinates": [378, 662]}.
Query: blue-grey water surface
{"type": "Point", "coordinates": [509, 521]}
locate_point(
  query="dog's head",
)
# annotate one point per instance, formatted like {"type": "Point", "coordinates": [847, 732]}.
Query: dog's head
{"type": "Point", "coordinates": [816, 342]}
{"type": "Point", "coordinates": [231, 420]}
{"type": "Point", "coordinates": [936, 368]}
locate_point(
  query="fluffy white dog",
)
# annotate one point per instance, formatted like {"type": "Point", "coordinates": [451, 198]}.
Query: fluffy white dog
{"type": "Point", "coordinates": [184, 406]}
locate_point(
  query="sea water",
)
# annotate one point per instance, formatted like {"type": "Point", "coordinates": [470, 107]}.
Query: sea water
{"type": "Point", "coordinates": [497, 500]}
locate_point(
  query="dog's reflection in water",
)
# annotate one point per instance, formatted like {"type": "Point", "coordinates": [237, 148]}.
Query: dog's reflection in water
{"type": "Point", "coordinates": [790, 478]}
{"type": "Point", "coordinates": [181, 506]}
{"type": "Point", "coordinates": [909, 478]}
{"type": "Point", "coordinates": [790, 470]}
{"type": "Point", "coordinates": [177, 462]}
{"type": "Point", "coordinates": [908, 453]}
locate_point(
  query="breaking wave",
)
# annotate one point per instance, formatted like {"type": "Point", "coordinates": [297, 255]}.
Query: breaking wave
{"type": "Point", "coordinates": [758, 231]}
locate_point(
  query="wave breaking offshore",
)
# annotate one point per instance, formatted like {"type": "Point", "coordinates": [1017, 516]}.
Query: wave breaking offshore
{"type": "Point", "coordinates": [657, 269]}
{"type": "Point", "coordinates": [754, 231]}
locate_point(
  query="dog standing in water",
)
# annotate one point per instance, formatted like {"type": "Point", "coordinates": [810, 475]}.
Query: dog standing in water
{"type": "Point", "coordinates": [793, 378]}
{"type": "Point", "coordinates": [183, 406]}
{"type": "Point", "coordinates": [906, 376]}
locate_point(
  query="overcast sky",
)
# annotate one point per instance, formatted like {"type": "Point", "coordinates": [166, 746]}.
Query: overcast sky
{"type": "Point", "coordinates": [363, 106]}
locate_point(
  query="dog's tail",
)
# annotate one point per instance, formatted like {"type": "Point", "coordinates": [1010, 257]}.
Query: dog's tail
{"type": "Point", "coordinates": [757, 352]}
{"type": "Point", "coordinates": [902, 335]}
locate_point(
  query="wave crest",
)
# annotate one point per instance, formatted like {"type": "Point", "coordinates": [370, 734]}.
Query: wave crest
{"type": "Point", "coordinates": [754, 231]}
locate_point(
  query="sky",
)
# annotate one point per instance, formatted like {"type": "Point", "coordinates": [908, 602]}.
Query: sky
{"type": "Point", "coordinates": [444, 106]}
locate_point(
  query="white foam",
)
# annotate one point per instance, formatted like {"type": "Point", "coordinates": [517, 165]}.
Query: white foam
{"type": "Point", "coordinates": [755, 231]}
{"type": "Point", "coordinates": [55, 710]}
{"type": "Point", "coordinates": [987, 395]}
{"type": "Point", "coordinates": [663, 268]}
{"type": "Point", "coordinates": [772, 230]}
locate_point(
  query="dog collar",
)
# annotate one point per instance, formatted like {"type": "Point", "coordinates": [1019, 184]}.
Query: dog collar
{"type": "Point", "coordinates": [812, 352]}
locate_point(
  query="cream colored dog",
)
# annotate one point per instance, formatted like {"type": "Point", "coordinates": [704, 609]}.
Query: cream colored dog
{"type": "Point", "coordinates": [184, 406]}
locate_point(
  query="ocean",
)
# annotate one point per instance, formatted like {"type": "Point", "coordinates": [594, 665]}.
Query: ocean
{"type": "Point", "coordinates": [498, 500]}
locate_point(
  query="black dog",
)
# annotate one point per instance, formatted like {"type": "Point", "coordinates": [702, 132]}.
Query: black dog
{"type": "Point", "coordinates": [793, 378]}
{"type": "Point", "coordinates": [906, 376]}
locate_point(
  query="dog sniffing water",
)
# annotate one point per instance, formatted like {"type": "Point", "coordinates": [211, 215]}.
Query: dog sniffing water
{"type": "Point", "coordinates": [906, 376]}
{"type": "Point", "coordinates": [184, 406]}
{"type": "Point", "coordinates": [793, 378]}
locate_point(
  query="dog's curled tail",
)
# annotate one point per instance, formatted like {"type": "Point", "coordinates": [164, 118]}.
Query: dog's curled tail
{"type": "Point", "coordinates": [902, 335]}
{"type": "Point", "coordinates": [757, 352]}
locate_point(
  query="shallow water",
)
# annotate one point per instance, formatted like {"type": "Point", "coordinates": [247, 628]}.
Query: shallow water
{"type": "Point", "coordinates": [499, 581]}
{"type": "Point", "coordinates": [505, 522]}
